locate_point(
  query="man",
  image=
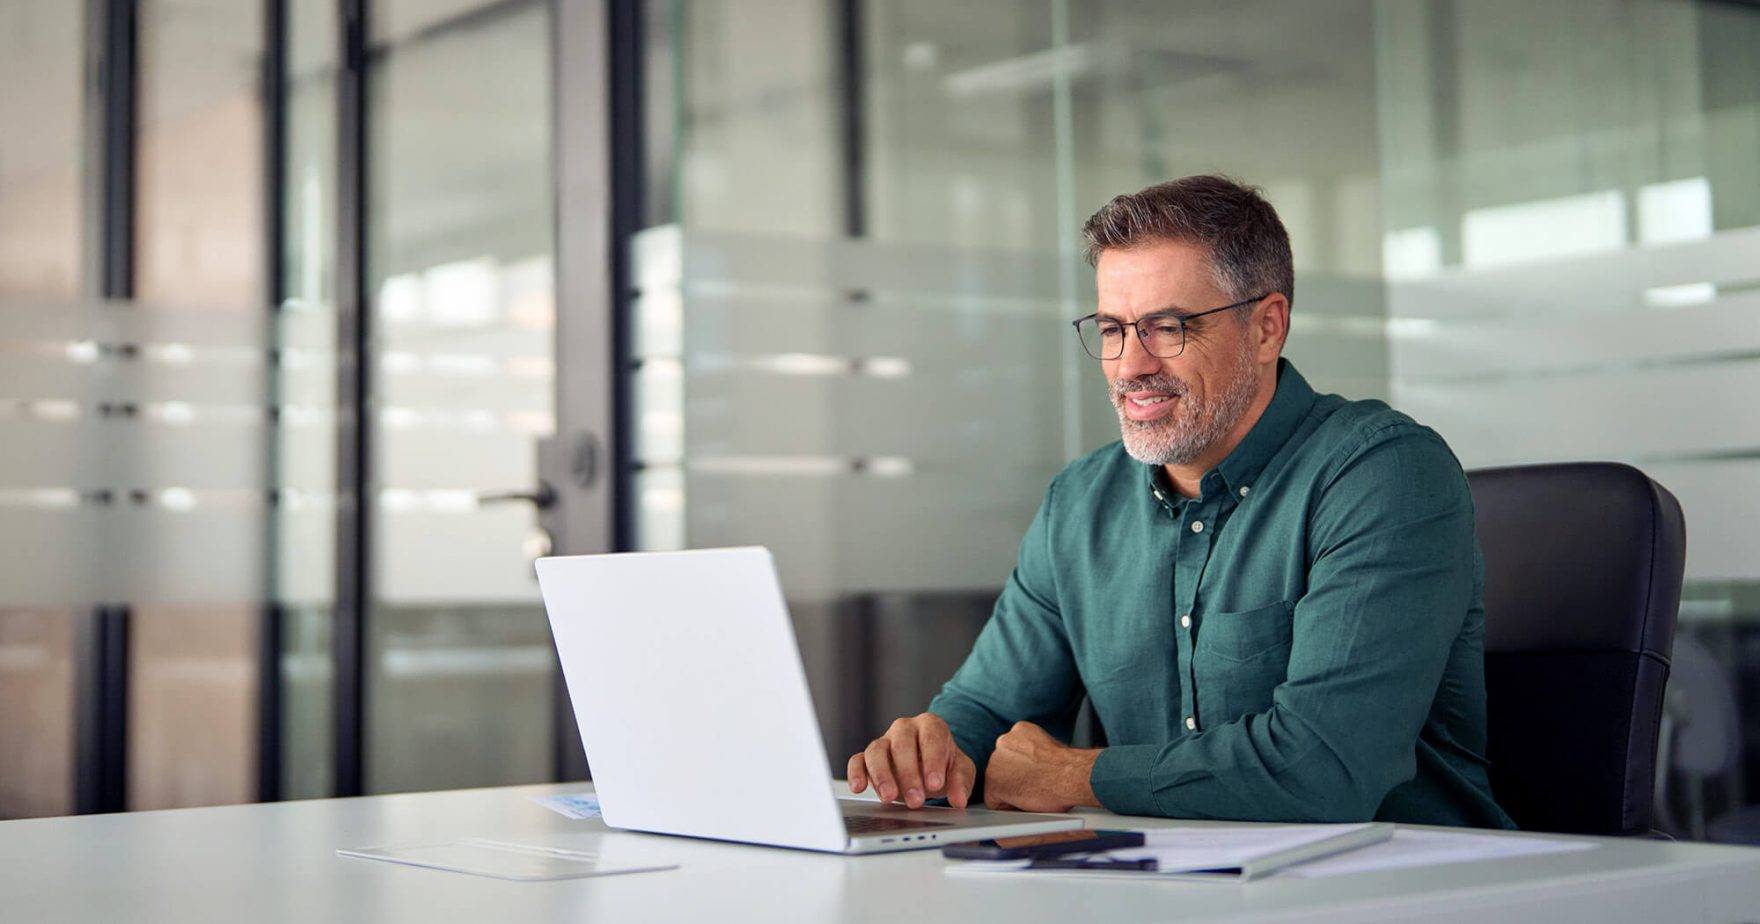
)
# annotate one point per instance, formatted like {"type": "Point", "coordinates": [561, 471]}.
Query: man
{"type": "Point", "coordinates": [1271, 597]}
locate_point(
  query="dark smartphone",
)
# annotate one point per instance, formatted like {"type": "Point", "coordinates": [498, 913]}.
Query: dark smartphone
{"type": "Point", "coordinates": [1044, 845]}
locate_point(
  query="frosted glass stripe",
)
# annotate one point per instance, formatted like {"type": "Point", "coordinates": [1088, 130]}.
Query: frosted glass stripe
{"type": "Point", "coordinates": [1721, 507]}
{"type": "Point", "coordinates": [105, 321]}
{"type": "Point", "coordinates": [1672, 412]}
{"type": "Point", "coordinates": [1593, 284]}
{"type": "Point", "coordinates": [941, 416]}
{"type": "Point", "coordinates": [455, 558]}
{"type": "Point", "coordinates": [980, 512]}
{"type": "Point", "coordinates": [406, 459]}
{"type": "Point", "coordinates": [35, 377]}
{"type": "Point", "coordinates": [99, 453]}
{"type": "Point", "coordinates": [132, 554]}
{"type": "Point", "coordinates": [1622, 340]}
{"type": "Point", "coordinates": [668, 258]}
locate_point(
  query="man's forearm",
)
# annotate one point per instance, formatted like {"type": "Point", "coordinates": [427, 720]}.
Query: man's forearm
{"type": "Point", "coordinates": [1033, 771]}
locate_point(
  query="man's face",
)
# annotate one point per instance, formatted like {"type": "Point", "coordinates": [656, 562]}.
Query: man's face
{"type": "Point", "coordinates": [1176, 410]}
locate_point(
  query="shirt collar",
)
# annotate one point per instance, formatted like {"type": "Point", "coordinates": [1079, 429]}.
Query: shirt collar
{"type": "Point", "coordinates": [1236, 473]}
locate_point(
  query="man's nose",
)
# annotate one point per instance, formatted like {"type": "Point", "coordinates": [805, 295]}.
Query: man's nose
{"type": "Point", "coordinates": [1135, 360]}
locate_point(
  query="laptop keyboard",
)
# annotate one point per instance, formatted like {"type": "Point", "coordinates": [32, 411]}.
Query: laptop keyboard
{"type": "Point", "coordinates": [872, 824]}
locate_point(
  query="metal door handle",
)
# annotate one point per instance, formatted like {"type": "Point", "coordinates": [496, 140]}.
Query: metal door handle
{"type": "Point", "coordinates": [542, 497]}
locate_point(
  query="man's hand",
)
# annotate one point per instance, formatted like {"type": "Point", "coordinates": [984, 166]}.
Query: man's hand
{"type": "Point", "coordinates": [1034, 772]}
{"type": "Point", "coordinates": [916, 760]}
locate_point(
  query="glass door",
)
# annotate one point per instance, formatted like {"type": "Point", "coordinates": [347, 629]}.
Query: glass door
{"type": "Point", "coordinates": [459, 263]}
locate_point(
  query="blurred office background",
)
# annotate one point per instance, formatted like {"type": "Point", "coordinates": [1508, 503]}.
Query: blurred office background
{"type": "Point", "coordinates": [320, 318]}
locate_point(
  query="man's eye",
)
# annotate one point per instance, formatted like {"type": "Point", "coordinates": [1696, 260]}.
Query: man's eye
{"type": "Point", "coordinates": [1168, 328]}
{"type": "Point", "coordinates": [1111, 330]}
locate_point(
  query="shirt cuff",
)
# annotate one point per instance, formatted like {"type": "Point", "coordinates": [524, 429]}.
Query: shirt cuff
{"type": "Point", "coordinates": [1120, 779]}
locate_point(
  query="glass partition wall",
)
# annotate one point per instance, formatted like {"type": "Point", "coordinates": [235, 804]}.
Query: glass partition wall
{"type": "Point", "coordinates": [1526, 225]}
{"type": "Point", "coordinates": [851, 329]}
{"type": "Point", "coordinates": [846, 331]}
{"type": "Point", "coordinates": [197, 450]}
{"type": "Point", "coordinates": [172, 239]}
{"type": "Point", "coordinates": [1572, 204]}
{"type": "Point", "coordinates": [41, 210]}
{"type": "Point", "coordinates": [459, 222]}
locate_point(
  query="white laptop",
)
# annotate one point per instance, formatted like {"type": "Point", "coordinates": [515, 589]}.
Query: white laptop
{"type": "Point", "coordinates": [694, 711]}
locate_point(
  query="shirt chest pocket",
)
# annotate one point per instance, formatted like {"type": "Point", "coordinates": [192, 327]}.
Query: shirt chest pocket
{"type": "Point", "coordinates": [1239, 659]}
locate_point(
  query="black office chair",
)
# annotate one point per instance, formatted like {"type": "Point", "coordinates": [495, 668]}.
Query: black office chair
{"type": "Point", "coordinates": [1583, 567]}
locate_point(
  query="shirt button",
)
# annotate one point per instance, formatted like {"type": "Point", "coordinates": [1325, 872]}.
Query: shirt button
{"type": "Point", "coordinates": [1244, 490]}
{"type": "Point", "coordinates": [1185, 622]}
{"type": "Point", "coordinates": [1197, 526]}
{"type": "Point", "coordinates": [1191, 723]}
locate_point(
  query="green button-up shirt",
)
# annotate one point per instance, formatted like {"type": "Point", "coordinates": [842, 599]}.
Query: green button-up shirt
{"type": "Point", "coordinates": [1303, 641]}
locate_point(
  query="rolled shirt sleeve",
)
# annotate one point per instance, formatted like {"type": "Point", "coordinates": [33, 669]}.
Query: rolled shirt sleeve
{"type": "Point", "coordinates": [1020, 667]}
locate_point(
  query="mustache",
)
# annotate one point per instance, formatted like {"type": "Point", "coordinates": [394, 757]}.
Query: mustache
{"type": "Point", "coordinates": [1158, 384]}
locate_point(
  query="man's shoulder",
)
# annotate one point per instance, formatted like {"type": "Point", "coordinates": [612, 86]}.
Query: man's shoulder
{"type": "Point", "coordinates": [1108, 461]}
{"type": "Point", "coordinates": [1100, 472]}
{"type": "Point", "coordinates": [1350, 426]}
{"type": "Point", "coordinates": [1369, 444]}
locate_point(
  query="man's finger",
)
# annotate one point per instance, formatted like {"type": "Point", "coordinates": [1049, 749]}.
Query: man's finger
{"type": "Point", "coordinates": [906, 768]}
{"type": "Point", "coordinates": [857, 774]}
{"type": "Point", "coordinates": [960, 781]}
{"type": "Point", "coordinates": [879, 759]}
{"type": "Point", "coordinates": [937, 757]}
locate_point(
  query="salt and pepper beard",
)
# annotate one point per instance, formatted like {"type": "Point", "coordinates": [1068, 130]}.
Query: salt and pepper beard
{"type": "Point", "coordinates": [1195, 425]}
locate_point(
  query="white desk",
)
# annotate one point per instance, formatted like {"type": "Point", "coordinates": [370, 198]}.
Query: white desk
{"type": "Point", "coordinates": [277, 863]}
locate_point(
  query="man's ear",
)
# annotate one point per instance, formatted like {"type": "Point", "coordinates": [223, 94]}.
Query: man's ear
{"type": "Point", "coordinates": [1272, 327]}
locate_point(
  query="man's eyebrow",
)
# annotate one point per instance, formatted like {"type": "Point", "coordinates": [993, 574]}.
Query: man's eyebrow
{"type": "Point", "coordinates": [1170, 309]}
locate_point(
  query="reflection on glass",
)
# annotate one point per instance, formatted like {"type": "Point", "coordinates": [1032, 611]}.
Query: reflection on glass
{"type": "Point", "coordinates": [1572, 202]}
{"type": "Point", "coordinates": [36, 712]}
{"type": "Point", "coordinates": [459, 261]}
{"type": "Point", "coordinates": [41, 101]}
{"type": "Point", "coordinates": [198, 168]}
{"type": "Point", "coordinates": [198, 244]}
{"type": "Point", "coordinates": [192, 706]}
{"type": "Point", "coordinates": [882, 402]}
{"type": "Point", "coordinates": [305, 518]}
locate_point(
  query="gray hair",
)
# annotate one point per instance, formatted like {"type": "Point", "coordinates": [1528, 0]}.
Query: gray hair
{"type": "Point", "coordinates": [1246, 241]}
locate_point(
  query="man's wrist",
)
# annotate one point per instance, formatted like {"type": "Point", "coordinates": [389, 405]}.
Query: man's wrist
{"type": "Point", "coordinates": [1081, 791]}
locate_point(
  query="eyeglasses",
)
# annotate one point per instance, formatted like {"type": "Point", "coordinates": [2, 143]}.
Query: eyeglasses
{"type": "Point", "coordinates": [1163, 335]}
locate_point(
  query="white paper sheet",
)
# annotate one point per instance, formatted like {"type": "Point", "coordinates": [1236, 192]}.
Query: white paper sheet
{"type": "Point", "coordinates": [1185, 851]}
{"type": "Point", "coordinates": [1409, 849]}
{"type": "Point", "coordinates": [501, 860]}
{"type": "Point", "coordinates": [1178, 850]}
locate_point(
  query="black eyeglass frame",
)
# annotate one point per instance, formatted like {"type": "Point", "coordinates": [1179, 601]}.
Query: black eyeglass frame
{"type": "Point", "coordinates": [1181, 318]}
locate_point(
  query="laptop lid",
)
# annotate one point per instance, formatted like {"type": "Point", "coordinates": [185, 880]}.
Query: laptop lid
{"type": "Point", "coordinates": [694, 709]}
{"type": "Point", "coordinates": [690, 696]}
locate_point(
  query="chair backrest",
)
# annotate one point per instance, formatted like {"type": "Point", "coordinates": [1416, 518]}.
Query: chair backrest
{"type": "Point", "coordinates": [1583, 566]}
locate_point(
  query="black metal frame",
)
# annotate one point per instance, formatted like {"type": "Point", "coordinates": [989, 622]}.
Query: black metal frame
{"type": "Point", "coordinates": [598, 145]}
{"type": "Point", "coordinates": [100, 775]}
{"type": "Point", "coordinates": [116, 77]}
{"type": "Point", "coordinates": [270, 732]}
{"type": "Point", "coordinates": [101, 703]}
{"type": "Point", "coordinates": [852, 66]}
{"type": "Point", "coordinates": [627, 39]}
{"type": "Point", "coordinates": [353, 489]}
